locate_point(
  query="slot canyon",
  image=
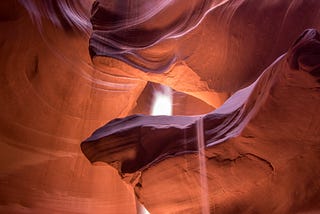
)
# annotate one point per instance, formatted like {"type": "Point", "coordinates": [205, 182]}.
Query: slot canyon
{"type": "Point", "coordinates": [237, 129]}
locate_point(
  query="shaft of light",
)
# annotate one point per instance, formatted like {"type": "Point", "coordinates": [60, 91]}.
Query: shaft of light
{"type": "Point", "coordinates": [162, 101]}
{"type": "Point", "coordinates": [205, 208]}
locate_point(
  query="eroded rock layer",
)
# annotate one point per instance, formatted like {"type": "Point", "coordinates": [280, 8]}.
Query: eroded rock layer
{"type": "Point", "coordinates": [227, 43]}
{"type": "Point", "coordinates": [62, 76]}
{"type": "Point", "coordinates": [267, 145]}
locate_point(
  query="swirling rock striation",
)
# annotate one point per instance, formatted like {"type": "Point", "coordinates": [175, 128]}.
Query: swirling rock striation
{"type": "Point", "coordinates": [227, 43]}
{"type": "Point", "coordinates": [53, 94]}
{"type": "Point", "coordinates": [151, 144]}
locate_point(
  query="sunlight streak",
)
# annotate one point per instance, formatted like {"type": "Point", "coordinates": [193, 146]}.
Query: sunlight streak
{"type": "Point", "coordinates": [162, 101]}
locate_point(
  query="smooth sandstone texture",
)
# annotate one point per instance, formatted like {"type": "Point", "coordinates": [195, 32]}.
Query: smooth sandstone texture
{"type": "Point", "coordinates": [54, 94]}
{"type": "Point", "coordinates": [226, 43]}
{"type": "Point", "coordinates": [268, 156]}
{"type": "Point", "coordinates": [51, 98]}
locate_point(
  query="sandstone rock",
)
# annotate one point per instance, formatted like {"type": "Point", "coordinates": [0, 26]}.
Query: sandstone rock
{"type": "Point", "coordinates": [268, 156]}
{"type": "Point", "coordinates": [54, 94]}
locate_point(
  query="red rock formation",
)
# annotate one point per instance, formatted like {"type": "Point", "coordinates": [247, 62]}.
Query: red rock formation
{"type": "Point", "coordinates": [53, 95]}
{"type": "Point", "coordinates": [241, 171]}
{"type": "Point", "coordinates": [51, 99]}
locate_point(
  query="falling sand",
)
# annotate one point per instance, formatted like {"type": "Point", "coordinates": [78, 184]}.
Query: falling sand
{"type": "Point", "coordinates": [202, 168]}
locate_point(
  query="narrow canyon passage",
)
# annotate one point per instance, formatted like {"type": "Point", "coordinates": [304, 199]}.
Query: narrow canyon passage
{"type": "Point", "coordinates": [77, 85]}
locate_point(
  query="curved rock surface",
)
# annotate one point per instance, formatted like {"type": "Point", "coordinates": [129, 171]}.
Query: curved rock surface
{"type": "Point", "coordinates": [227, 43]}
{"type": "Point", "coordinates": [51, 98]}
{"type": "Point", "coordinates": [59, 83]}
{"type": "Point", "coordinates": [267, 163]}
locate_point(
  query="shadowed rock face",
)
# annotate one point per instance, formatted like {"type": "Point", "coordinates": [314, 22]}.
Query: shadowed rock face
{"type": "Point", "coordinates": [51, 99]}
{"type": "Point", "coordinates": [63, 76]}
{"type": "Point", "coordinates": [263, 142]}
{"type": "Point", "coordinates": [227, 43]}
